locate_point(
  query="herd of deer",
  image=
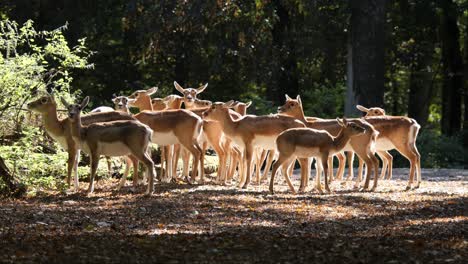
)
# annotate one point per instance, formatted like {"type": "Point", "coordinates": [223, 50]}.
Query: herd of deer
{"type": "Point", "coordinates": [242, 142]}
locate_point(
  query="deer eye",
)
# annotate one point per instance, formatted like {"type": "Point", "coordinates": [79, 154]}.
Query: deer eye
{"type": "Point", "coordinates": [44, 100]}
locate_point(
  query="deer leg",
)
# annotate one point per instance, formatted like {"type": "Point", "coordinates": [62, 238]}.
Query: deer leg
{"type": "Point", "coordinates": [359, 176]}
{"type": "Point", "coordinates": [162, 149]}
{"type": "Point", "coordinates": [196, 152]}
{"type": "Point", "coordinates": [202, 162]}
{"type": "Point", "coordinates": [146, 160]}
{"type": "Point", "coordinates": [94, 166]}
{"type": "Point", "coordinates": [385, 157]}
{"type": "Point", "coordinates": [412, 156]}
{"type": "Point", "coordinates": [75, 169]}
{"type": "Point", "coordinates": [282, 159]}
{"type": "Point", "coordinates": [175, 151]}
{"type": "Point", "coordinates": [109, 166]}
{"type": "Point", "coordinates": [325, 164]}
{"type": "Point", "coordinates": [249, 156]}
{"type": "Point", "coordinates": [350, 155]}
{"type": "Point", "coordinates": [70, 165]}
{"type": "Point", "coordinates": [307, 174]}
{"type": "Point", "coordinates": [341, 165]}
{"type": "Point", "coordinates": [418, 167]}
{"type": "Point", "coordinates": [375, 168]}
{"type": "Point", "coordinates": [221, 177]}
{"type": "Point", "coordinates": [304, 163]}
{"type": "Point", "coordinates": [271, 155]}
{"type": "Point", "coordinates": [319, 169]}
{"type": "Point", "coordinates": [126, 172]}
{"type": "Point", "coordinates": [330, 167]}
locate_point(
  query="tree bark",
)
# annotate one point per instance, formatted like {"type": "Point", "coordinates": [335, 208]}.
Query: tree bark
{"type": "Point", "coordinates": [452, 70]}
{"type": "Point", "coordinates": [367, 41]}
{"type": "Point", "coordinates": [420, 90]}
{"type": "Point", "coordinates": [287, 82]}
{"type": "Point", "coordinates": [13, 187]}
{"type": "Point", "coordinates": [350, 102]}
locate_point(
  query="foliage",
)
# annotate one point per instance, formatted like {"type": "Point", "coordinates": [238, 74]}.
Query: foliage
{"type": "Point", "coordinates": [30, 60]}
{"type": "Point", "coordinates": [437, 151]}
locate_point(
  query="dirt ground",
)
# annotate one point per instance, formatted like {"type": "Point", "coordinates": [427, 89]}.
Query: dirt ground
{"type": "Point", "coordinates": [213, 224]}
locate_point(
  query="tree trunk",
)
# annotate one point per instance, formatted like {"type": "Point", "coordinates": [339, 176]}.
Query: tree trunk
{"type": "Point", "coordinates": [287, 82]}
{"type": "Point", "coordinates": [420, 90]}
{"type": "Point", "coordinates": [13, 187]}
{"type": "Point", "coordinates": [452, 70]}
{"type": "Point", "coordinates": [465, 90]}
{"type": "Point", "coordinates": [367, 40]}
{"type": "Point", "coordinates": [350, 102]}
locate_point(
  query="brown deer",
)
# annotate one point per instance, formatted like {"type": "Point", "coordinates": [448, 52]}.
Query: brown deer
{"type": "Point", "coordinates": [114, 138]}
{"type": "Point", "coordinates": [400, 133]}
{"type": "Point", "coordinates": [363, 144]}
{"type": "Point", "coordinates": [304, 143]}
{"type": "Point", "coordinates": [170, 127]}
{"type": "Point", "coordinates": [59, 130]}
{"type": "Point", "coordinates": [249, 132]}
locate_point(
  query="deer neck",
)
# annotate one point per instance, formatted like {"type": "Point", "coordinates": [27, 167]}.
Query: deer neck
{"type": "Point", "coordinates": [298, 114]}
{"type": "Point", "coordinates": [145, 104]}
{"type": "Point", "coordinates": [189, 105]}
{"type": "Point", "coordinates": [51, 122]}
{"type": "Point", "coordinates": [77, 128]}
{"type": "Point", "coordinates": [340, 141]}
{"type": "Point", "coordinates": [229, 125]}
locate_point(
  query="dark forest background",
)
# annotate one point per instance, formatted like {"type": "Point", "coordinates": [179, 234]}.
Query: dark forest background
{"type": "Point", "coordinates": [407, 56]}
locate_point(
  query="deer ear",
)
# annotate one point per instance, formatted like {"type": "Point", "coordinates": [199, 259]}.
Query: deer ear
{"type": "Point", "coordinates": [287, 97]}
{"type": "Point", "coordinates": [131, 101]}
{"type": "Point", "coordinates": [84, 103]}
{"type": "Point", "coordinates": [249, 103]}
{"type": "Point", "coordinates": [178, 87]}
{"type": "Point", "coordinates": [340, 122]}
{"type": "Point", "coordinates": [298, 98]}
{"type": "Point", "coordinates": [152, 90]}
{"type": "Point", "coordinates": [64, 102]}
{"type": "Point", "coordinates": [362, 108]}
{"type": "Point", "coordinates": [202, 88]}
{"type": "Point", "coordinates": [229, 104]}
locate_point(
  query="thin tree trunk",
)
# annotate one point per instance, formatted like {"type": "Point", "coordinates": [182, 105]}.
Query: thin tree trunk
{"type": "Point", "coordinates": [13, 187]}
{"type": "Point", "coordinates": [287, 81]}
{"type": "Point", "coordinates": [420, 91]}
{"type": "Point", "coordinates": [367, 38]}
{"type": "Point", "coordinates": [350, 103]}
{"type": "Point", "coordinates": [452, 70]}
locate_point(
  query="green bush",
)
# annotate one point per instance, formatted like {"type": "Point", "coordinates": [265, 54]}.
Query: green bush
{"type": "Point", "coordinates": [437, 151]}
{"type": "Point", "coordinates": [30, 61]}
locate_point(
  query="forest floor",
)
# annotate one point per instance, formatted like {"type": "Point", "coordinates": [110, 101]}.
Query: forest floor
{"type": "Point", "coordinates": [211, 224]}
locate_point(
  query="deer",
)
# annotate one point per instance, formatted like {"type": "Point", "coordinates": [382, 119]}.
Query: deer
{"type": "Point", "coordinates": [113, 138]}
{"type": "Point", "coordinates": [173, 101]}
{"type": "Point", "coordinates": [250, 132]}
{"type": "Point", "coordinates": [59, 130]}
{"type": "Point", "coordinates": [212, 131]}
{"type": "Point", "coordinates": [170, 127]}
{"type": "Point", "coordinates": [159, 104]}
{"type": "Point", "coordinates": [241, 107]}
{"type": "Point", "coordinates": [386, 157]}
{"type": "Point", "coordinates": [363, 145]}
{"type": "Point", "coordinates": [121, 104]}
{"type": "Point", "coordinates": [400, 133]}
{"type": "Point", "coordinates": [303, 143]}
{"type": "Point", "coordinates": [190, 96]}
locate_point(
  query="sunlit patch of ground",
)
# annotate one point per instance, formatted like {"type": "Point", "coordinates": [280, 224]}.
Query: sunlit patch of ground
{"type": "Point", "coordinates": [211, 223]}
